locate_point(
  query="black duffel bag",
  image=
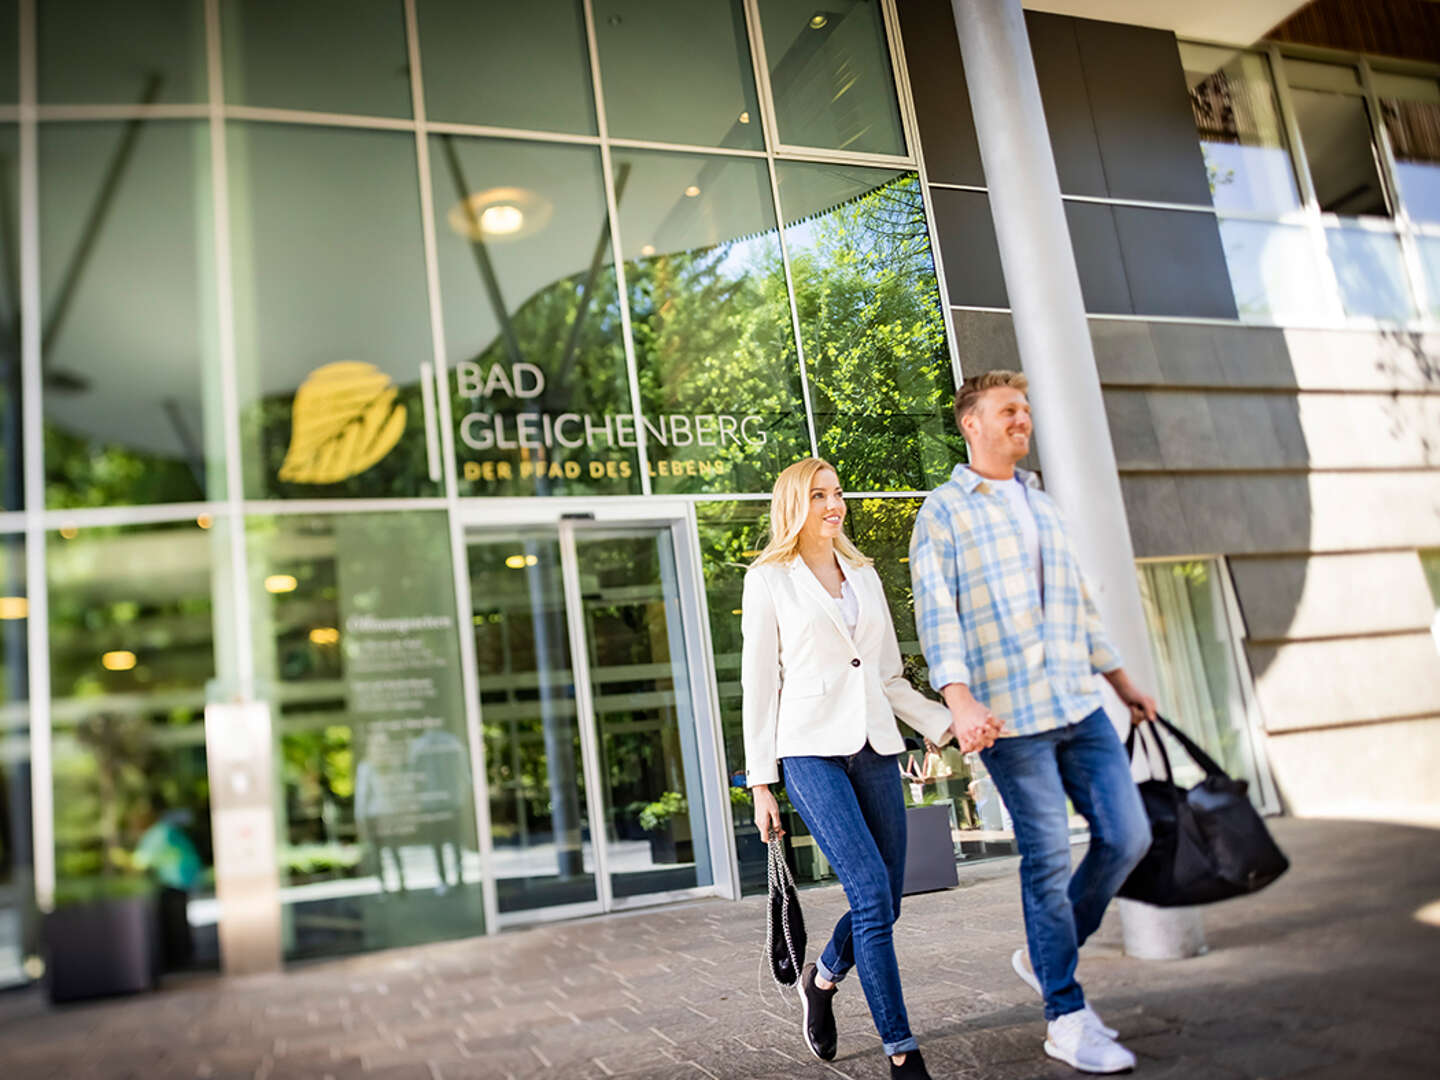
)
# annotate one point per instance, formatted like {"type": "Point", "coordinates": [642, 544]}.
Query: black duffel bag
{"type": "Point", "coordinates": [1209, 842]}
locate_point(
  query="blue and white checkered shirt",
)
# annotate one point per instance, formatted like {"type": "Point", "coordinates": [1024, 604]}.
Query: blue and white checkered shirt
{"type": "Point", "coordinates": [979, 608]}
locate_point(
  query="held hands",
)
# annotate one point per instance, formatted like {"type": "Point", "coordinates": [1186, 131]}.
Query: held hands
{"type": "Point", "coordinates": [975, 727]}
{"type": "Point", "coordinates": [767, 812]}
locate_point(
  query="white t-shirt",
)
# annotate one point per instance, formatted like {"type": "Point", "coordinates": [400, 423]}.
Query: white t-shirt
{"type": "Point", "coordinates": [1019, 500]}
{"type": "Point", "coordinates": [849, 605]}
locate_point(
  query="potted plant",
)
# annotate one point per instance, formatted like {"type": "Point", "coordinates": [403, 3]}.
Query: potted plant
{"type": "Point", "coordinates": [102, 937]}
{"type": "Point", "coordinates": [665, 820]}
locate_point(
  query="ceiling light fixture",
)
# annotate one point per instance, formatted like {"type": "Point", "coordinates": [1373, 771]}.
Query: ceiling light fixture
{"type": "Point", "coordinates": [500, 214]}
{"type": "Point", "coordinates": [69, 531]}
{"type": "Point", "coordinates": [818, 21]}
{"type": "Point", "coordinates": [324, 635]}
{"type": "Point", "coordinates": [745, 117]}
{"type": "Point", "coordinates": [280, 583]}
{"type": "Point", "coordinates": [691, 191]}
{"type": "Point", "coordinates": [204, 521]}
{"type": "Point", "coordinates": [647, 250]}
{"type": "Point", "coordinates": [118, 660]}
{"type": "Point", "coordinates": [14, 607]}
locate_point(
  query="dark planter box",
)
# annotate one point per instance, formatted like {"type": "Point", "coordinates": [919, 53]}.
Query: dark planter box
{"type": "Point", "coordinates": [665, 849]}
{"type": "Point", "coordinates": [930, 852]}
{"type": "Point", "coordinates": [101, 948]}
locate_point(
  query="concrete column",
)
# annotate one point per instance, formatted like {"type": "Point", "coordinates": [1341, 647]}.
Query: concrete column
{"type": "Point", "coordinates": [1038, 261]}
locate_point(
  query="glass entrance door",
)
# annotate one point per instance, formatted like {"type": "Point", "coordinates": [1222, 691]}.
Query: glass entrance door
{"type": "Point", "coordinates": [598, 760]}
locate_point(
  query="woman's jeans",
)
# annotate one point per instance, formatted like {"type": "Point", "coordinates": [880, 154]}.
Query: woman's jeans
{"type": "Point", "coordinates": [855, 809]}
{"type": "Point", "coordinates": [1035, 774]}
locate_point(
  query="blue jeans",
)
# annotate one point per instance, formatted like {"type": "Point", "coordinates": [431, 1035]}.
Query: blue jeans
{"type": "Point", "coordinates": [1035, 774]}
{"type": "Point", "coordinates": [855, 809]}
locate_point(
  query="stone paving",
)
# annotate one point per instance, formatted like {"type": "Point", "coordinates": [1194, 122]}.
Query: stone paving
{"type": "Point", "coordinates": [1334, 972]}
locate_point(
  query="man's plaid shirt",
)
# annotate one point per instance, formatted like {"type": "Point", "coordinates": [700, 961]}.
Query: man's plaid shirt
{"type": "Point", "coordinates": [979, 613]}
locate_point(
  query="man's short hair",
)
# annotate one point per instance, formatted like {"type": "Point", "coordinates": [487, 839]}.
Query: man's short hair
{"type": "Point", "coordinates": [971, 390]}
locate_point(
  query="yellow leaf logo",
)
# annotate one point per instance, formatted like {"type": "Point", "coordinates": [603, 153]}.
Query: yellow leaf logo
{"type": "Point", "coordinates": [343, 421]}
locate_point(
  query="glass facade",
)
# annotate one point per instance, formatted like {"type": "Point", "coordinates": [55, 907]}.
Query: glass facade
{"type": "Point", "coordinates": [1323, 176]}
{"type": "Point", "coordinates": [423, 381]}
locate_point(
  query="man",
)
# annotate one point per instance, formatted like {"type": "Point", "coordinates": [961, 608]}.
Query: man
{"type": "Point", "coordinates": [1013, 640]}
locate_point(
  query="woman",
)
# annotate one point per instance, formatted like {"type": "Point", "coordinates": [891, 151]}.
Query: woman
{"type": "Point", "coordinates": [823, 682]}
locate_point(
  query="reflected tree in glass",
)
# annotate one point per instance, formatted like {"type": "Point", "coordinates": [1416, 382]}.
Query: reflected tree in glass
{"type": "Point", "coordinates": [872, 325]}
{"type": "Point", "coordinates": [714, 344]}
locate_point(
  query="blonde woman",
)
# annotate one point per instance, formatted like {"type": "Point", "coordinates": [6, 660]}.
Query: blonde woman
{"type": "Point", "coordinates": [823, 683]}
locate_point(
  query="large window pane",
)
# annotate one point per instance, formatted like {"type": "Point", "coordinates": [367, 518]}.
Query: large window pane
{"type": "Point", "coordinates": [12, 465]}
{"type": "Point", "coordinates": [830, 75]}
{"type": "Point", "coordinates": [1411, 109]}
{"type": "Point", "coordinates": [1274, 272]}
{"type": "Point", "coordinates": [507, 65]}
{"type": "Point", "coordinates": [881, 384]}
{"type": "Point", "coordinates": [1371, 272]}
{"type": "Point", "coordinates": [331, 315]}
{"type": "Point", "coordinates": [131, 651]}
{"type": "Point", "coordinates": [9, 52]}
{"type": "Point", "coordinates": [1193, 645]}
{"type": "Point", "coordinates": [377, 841]}
{"type": "Point", "coordinates": [1429, 247]}
{"type": "Point", "coordinates": [17, 878]}
{"type": "Point", "coordinates": [719, 378]}
{"type": "Point", "coordinates": [1241, 133]}
{"type": "Point", "coordinates": [94, 52]}
{"type": "Point", "coordinates": [1339, 142]}
{"type": "Point", "coordinates": [130, 373]}
{"type": "Point", "coordinates": [336, 56]}
{"type": "Point", "coordinates": [541, 399]}
{"type": "Point", "coordinates": [701, 47]}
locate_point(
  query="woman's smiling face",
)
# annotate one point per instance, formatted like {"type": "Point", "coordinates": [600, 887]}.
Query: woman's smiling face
{"type": "Point", "coordinates": [826, 512]}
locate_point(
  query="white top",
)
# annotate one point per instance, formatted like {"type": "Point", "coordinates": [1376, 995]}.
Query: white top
{"type": "Point", "coordinates": [849, 605]}
{"type": "Point", "coordinates": [1014, 492]}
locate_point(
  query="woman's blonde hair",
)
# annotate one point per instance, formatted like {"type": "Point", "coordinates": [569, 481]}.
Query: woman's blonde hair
{"type": "Point", "coordinates": [789, 506]}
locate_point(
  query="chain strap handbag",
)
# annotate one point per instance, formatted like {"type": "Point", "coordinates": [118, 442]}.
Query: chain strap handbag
{"type": "Point", "coordinates": [784, 925]}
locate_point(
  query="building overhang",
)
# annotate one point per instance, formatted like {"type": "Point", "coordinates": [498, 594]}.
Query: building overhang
{"type": "Point", "coordinates": [1238, 22]}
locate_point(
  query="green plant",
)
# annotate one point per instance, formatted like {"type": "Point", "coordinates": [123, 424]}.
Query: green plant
{"type": "Point", "coordinates": [740, 796]}
{"type": "Point", "coordinates": [89, 890]}
{"type": "Point", "coordinates": [654, 816]}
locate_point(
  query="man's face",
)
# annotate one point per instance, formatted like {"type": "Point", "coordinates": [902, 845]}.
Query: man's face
{"type": "Point", "coordinates": [999, 425]}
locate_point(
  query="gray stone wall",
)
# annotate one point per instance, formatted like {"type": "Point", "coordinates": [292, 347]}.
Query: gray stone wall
{"type": "Point", "coordinates": [1310, 460]}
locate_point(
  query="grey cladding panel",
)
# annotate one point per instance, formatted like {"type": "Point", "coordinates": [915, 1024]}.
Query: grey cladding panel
{"type": "Point", "coordinates": [967, 244]}
{"type": "Point", "coordinates": [1097, 258]}
{"type": "Point", "coordinates": [1174, 262]}
{"type": "Point", "coordinates": [1067, 104]}
{"type": "Point", "coordinates": [942, 100]}
{"type": "Point", "coordinates": [1141, 113]}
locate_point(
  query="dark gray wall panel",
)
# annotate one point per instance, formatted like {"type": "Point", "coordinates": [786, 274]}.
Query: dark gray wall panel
{"type": "Point", "coordinates": [1141, 113]}
{"type": "Point", "coordinates": [1098, 259]}
{"type": "Point", "coordinates": [942, 100]}
{"type": "Point", "coordinates": [1067, 104]}
{"type": "Point", "coordinates": [1174, 263]}
{"type": "Point", "coordinates": [968, 248]}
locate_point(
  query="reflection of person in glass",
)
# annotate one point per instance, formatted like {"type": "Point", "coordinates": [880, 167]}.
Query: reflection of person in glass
{"type": "Point", "coordinates": [439, 762]}
{"type": "Point", "coordinates": [374, 806]}
{"type": "Point", "coordinates": [823, 682]}
{"type": "Point", "coordinates": [167, 854]}
{"type": "Point", "coordinates": [1013, 638]}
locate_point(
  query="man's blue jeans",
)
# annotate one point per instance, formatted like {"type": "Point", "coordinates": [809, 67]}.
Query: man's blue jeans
{"type": "Point", "coordinates": [855, 809]}
{"type": "Point", "coordinates": [1035, 774]}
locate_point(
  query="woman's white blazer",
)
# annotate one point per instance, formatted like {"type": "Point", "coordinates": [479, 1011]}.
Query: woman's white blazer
{"type": "Point", "coordinates": [810, 686]}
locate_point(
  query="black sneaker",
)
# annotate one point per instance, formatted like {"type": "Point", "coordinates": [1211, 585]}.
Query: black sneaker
{"type": "Point", "coordinates": [913, 1067]}
{"type": "Point", "coordinates": [818, 1025]}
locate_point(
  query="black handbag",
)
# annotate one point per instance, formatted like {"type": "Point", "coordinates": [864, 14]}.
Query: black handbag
{"type": "Point", "coordinates": [1209, 842]}
{"type": "Point", "coordinates": [784, 925]}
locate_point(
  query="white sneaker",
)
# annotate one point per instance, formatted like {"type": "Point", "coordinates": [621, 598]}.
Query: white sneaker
{"type": "Point", "coordinates": [1073, 1039]}
{"type": "Point", "coordinates": [1020, 961]}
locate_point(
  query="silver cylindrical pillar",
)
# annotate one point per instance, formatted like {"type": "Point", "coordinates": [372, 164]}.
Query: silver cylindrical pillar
{"type": "Point", "coordinates": [1038, 262]}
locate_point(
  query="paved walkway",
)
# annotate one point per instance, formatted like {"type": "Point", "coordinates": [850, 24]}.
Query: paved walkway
{"type": "Point", "coordinates": [1334, 972]}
